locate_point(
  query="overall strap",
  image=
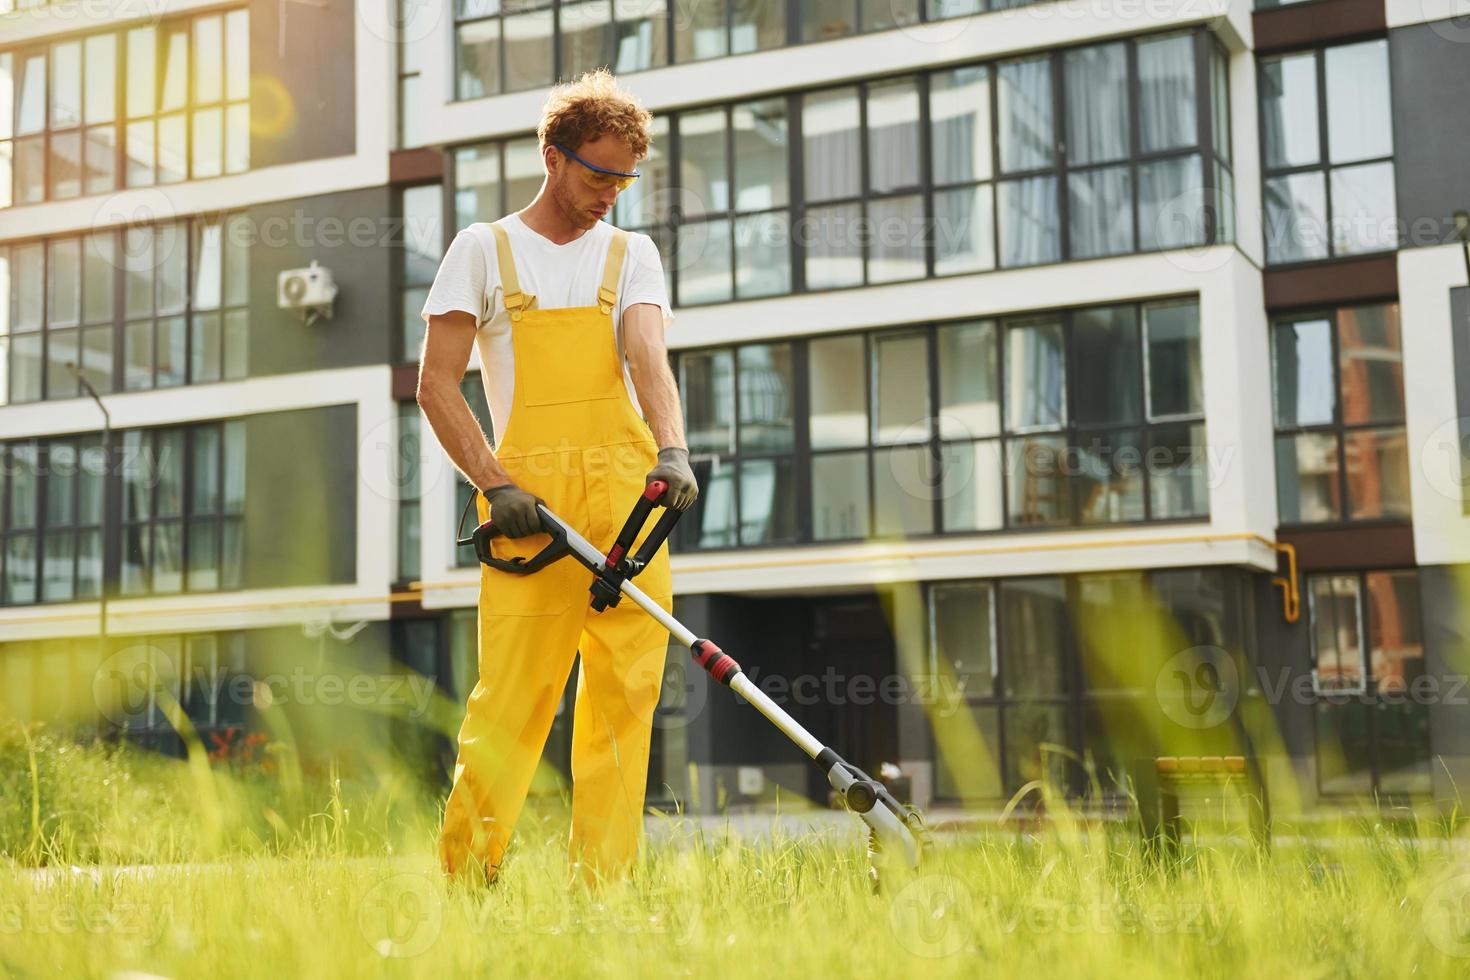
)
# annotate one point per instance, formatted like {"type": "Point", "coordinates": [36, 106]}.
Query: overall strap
{"type": "Point", "coordinates": [607, 293]}
{"type": "Point", "coordinates": [515, 301]}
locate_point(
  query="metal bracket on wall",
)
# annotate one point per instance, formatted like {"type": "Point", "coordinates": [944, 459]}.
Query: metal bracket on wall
{"type": "Point", "coordinates": [1291, 596]}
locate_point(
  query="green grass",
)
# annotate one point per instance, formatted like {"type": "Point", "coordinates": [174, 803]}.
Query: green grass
{"type": "Point", "coordinates": [108, 867]}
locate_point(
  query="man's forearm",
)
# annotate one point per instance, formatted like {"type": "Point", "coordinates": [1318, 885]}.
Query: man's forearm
{"type": "Point", "coordinates": [464, 442]}
{"type": "Point", "coordinates": [648, 363]}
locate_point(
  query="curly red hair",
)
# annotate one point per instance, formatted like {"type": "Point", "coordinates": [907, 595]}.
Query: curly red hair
{"type": "Point", "coordinates": [592, 106]}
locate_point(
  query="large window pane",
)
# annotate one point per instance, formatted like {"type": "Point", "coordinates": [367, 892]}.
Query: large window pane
{"type": "Point", "coordinates": [1359, 125]}
{"type": "Point", "coordinates": [1377, 462]}
{"type": "Point", "coordinates": [1107, 477]}
{"type": "Point", "coordinates": [762, 254]}
{"type": "Point", "coordinates": [822, 19]}
{"type": "Point", "coordinates": [1296, 218]}
{"type": "Point", "coordinates": [1171, 203]}
{"type": "Point", "coordinates": [893, 135]}
{"type": "Point", "coordinates": [1098, 126]}
{"type": "Point", "coordinates": [1307, 485]}
{"type": "Point", "coordinates": [478, 58]}
{"type": "Point", "coordinates": [1305, 389]}
{"type": "Point", "coordinates": [707, 384]}
{"type": "Point", "coordinates": [959, 124]}
{"type": "Point", "coordinates": [704, 166]}
{"type": "Point", "coordinates": [896, 249]}
{"type": "Point", "coordinates": [1038, 488]}
{"type": "Point", "coordinates": [830, 141]}
{"type": "Point", "coordinates": [834, 253]}
{"type": "Point", "coordinates": [1106, 358]}
{"type": "Point", "coordinates": [1166, 93]}
{"type": "Point", "coordinates": [759, 130]}
{"type": "Point", "coordinates": [1370, 364]}
{"type": "Point", "coordinates": [1178, 472]}
{"type": "Point", "coordinates": [767, 501]}
{"type": "Point", "coordinates": [1175, 380]}
{"type": "Point", "coordinates": [901, 387]}
{"type": "Point", "coordinates": [756, 25]}
{"type": "Point", "coordinates": [970, 485]}
{"type": "Point", "coordinates": [1035, 375]}
{"type": "Point", "coordinates": [1289, 110]}
{"type": "Point", "coordinates": [476, 184]}
{"type": "Point", "coordinates": [1025, 107]}
{"type": "Point", "coordinates": [711, 522]}
{"type": "Point", "coordinates": [64, 281]}
{"type": "Point", "coordinates": [1029, 232]}
{"type": "Point", "coordinates": [703, 261]}
{"type": "Point", "coordinates": [838, 392]}
{"type": "Point", "coordinates": [1364, 209]}
{"type": "Point", "coordinates": [1100, 212]}
{"type": "Point", "coordinates": [1035, 636]}
{"type": "Point", "coordinates": [66, 85]}
{"type": "Point", "coordinates": [1337, 644]}
{"type": "Point", "coordinates": [963, 635]}
{"type": "Point", "coordinates": [969, 380]}
{"type": "Point", "coordinates": [586, 36]}
{"type": "Point", "coordinates": [839, 496]}
{"type": "Point", "coordinates": [903, 491]}
{"type": "Point", "coordinates": [964, 230]}
{"type": "Point", "coordinates": [766, 398]}
{"type": "Point", "coordinates": [528, 50]}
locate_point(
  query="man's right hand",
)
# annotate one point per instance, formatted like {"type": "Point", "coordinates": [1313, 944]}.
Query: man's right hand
{"type": "Point", "coordinates": [513, 510]}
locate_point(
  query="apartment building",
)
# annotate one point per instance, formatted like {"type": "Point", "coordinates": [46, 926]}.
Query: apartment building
{"type": "Point", "coordinates": [1068, 383]}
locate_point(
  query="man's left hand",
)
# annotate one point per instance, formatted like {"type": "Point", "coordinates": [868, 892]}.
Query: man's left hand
{"type": "Point", "coordinates": [673, 469]}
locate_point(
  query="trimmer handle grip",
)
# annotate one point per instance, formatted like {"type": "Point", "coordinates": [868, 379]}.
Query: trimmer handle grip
{"type": "Point", "coordinates": [555, 549]}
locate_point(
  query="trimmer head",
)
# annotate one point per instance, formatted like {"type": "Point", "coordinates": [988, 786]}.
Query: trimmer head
{"type": "Point", "coordinates": [894, 829]}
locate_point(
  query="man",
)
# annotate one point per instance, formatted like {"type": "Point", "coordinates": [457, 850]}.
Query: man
{"type": "Point", "coordinates": [568, 314]}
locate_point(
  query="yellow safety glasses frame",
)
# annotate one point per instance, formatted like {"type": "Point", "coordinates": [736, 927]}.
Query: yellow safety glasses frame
{"type": "Point", "coordinates": [600, 178]}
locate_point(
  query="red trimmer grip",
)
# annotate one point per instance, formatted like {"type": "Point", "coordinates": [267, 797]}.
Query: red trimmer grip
{"type": "Point", "coordinates": [655, 490]}
{"type": "Point", "coordinates": [719, 664]}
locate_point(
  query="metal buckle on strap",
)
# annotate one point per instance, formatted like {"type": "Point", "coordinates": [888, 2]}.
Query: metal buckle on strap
{"type": "Point", "coordinates": [514, 303]}
{"type": "Point", "coordinates": [606, 298]}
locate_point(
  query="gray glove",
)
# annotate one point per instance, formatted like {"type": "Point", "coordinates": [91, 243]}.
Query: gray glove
{"type": "Point", "coordinates": [673, 469]}
{"type": "Point", "coordinates": [514, 510]}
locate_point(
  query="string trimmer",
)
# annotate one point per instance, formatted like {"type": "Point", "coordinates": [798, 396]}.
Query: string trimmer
{"type": "Point", "coordinates": [893, 828]}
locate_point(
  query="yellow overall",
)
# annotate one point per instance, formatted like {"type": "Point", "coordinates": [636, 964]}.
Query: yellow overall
{"type": "Point", "coordinates": [574, 440]}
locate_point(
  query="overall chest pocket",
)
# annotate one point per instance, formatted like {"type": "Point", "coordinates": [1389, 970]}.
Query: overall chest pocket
{"type": "Point", "coordinates": [566, 356]}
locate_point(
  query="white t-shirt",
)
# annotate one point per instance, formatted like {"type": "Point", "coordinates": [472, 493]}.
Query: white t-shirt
{"type": "Point", "coordinates": [559, 276]}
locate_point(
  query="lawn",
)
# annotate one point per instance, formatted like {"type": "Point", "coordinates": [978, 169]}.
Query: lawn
{"type": "Point", "coordinates": [117, 862]}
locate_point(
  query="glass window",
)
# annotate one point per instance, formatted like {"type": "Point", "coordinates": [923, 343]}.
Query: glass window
{"type": "Point", "coordinates": [1098, 127]}
{"type": "Point", "coordinates": [831, 143]}
{"type": "Point", "coordinates": [1029, 219]}
{"type": "Point", "coordinates": [1289, 110]}
{"type": "Point", "coordinates": [1166, 92]}
{"type": "Point", "coordinates": [1377, 472]}
{"type": "Point", "coordinates": [1025, 107]}
{"type": "Point", "coordinates": [1337, 646]}
{"type": "Point", "coordinates": [1370, 364]}
{"type": "Point", "coordinates": [1095, 200]}
{"type": "Point", "coordinates": [706, 176]}
{"type": "Point", "coordinates": [767, 501]}
{"type": "Point", "coordinates": [1358, 118]}
{"type": "Point", "coordinates": [835, 378]}
{"type": "Point", "coordinates": [1175, 381]}
{"type": "Point", "coordinates": [1107, 362]}
{"type": "Point", "coordinates": [766, 398]}
{"type": "Point", "coordinates": [1307, 478]}
{"type": "Point", "coordinates": [900, 387]}
{"type": "Point", "coordinates": [902, 491]}
{"type": "Point", "coordinates": [969, 380]}
{"type": "Point", "coordinates": [1171, 203]}
{"type": "Point", "coordinates": [893, 139]}
{"type": "Point", "coordinates": [823, 19]}
{"type": "Point", "coordinates": [707, 384]}
{"type": "Point", "coordinates": [963, 635]}
{"type": "Point", "coordinates": [839, 496]}
{"type": "Point", "coordinates": [959, 124]}
{"type": "Point", "coordinates": [1035, 637]}
{"type": "Point", "coordinates": [1035, 375]}
{"type": "Point", "coordinates": [1304, 383]}
{"type": "Point", "coordinates": [970, 485]}
{"type": "Point", "coordinates": [759, 131]}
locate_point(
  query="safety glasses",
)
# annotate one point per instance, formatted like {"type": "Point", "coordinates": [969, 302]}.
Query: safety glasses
{"type": "Point", "coordinates": [600, 178]}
